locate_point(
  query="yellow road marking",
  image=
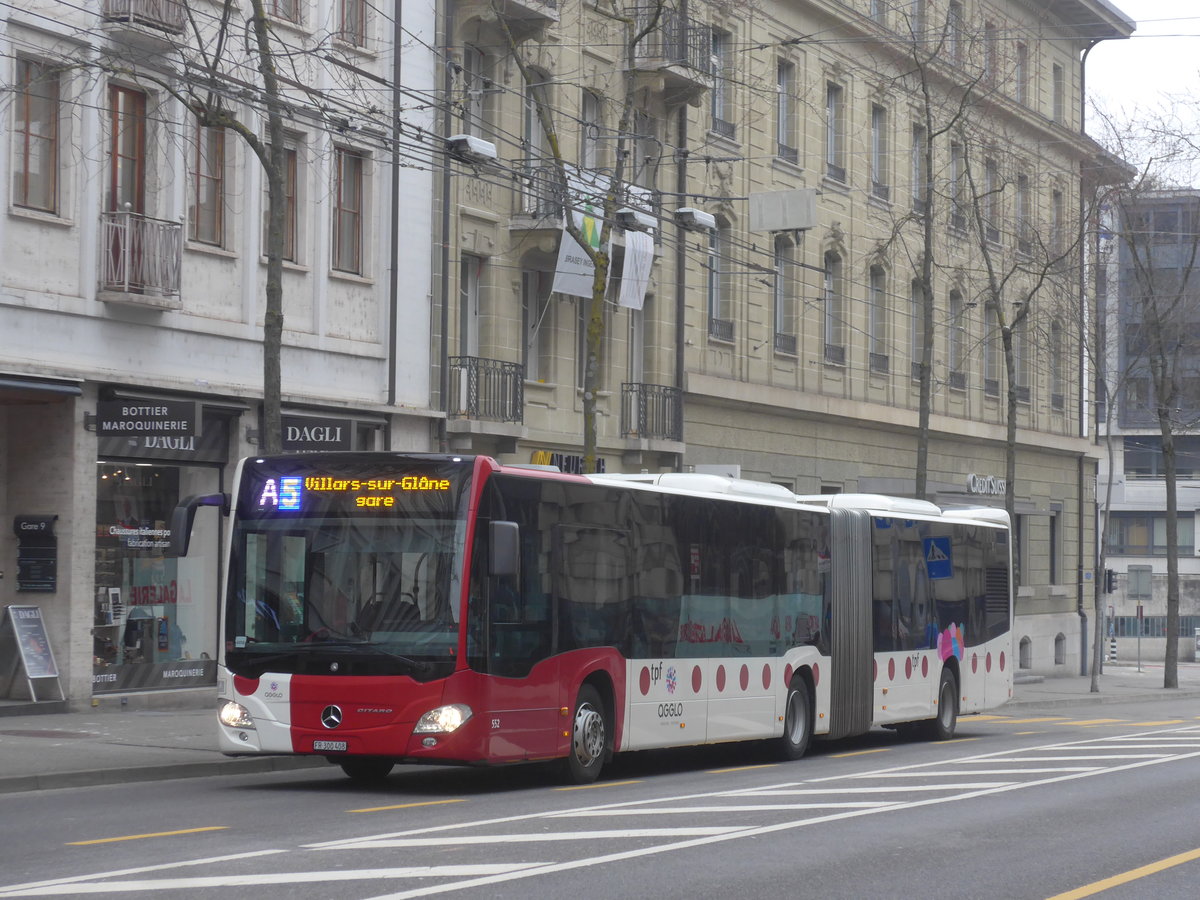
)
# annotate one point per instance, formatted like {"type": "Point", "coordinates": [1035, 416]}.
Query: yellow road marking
{"type": "Point", "coordinates": [1038, 719]}
{"type": "Point", "coordinates": [138, 837]}
{"type": "Point", "coordinates": [859, 752]}
{"type": "Point", "coordinates": [1096, 722]}
{"type": "Point", "coordinates": [741, 769]}
{"type": "Point", "coordinates": [406, 805]}
{"type": "Point", "coordinates": [1163, 722]}
{"type": "Point", "coordinates": [588, 787]}
{"type": "Point", "coordinates": [987, 718]}
{"type": "Point", "coordinates": [1022, 733]}
{"type": "Point", "coordinates": [1132, 875]}
{"type": "Point", "coordinates": [958, 740]}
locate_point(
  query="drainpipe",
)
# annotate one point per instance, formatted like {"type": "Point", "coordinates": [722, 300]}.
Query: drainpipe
{"type": "Point", "coordinates": [394, 278]}
{"type": "Point", "coordinates": [681, 158]}
{"type": "Point", "coordinates": [444, 289]}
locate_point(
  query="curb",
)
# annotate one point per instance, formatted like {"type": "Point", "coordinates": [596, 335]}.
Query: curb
{"type": "Point", "coordinates": [99, 777]}
{"type": "Point", "coordinates": [1102, 698]}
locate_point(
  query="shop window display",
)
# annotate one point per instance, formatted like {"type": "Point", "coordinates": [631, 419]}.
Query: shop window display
{"type": "Point", "coordinates": [155, 616]}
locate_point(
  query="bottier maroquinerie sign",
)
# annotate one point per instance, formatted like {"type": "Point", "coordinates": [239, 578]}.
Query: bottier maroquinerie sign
{"type": "Point", "coordinates": [157, 418]}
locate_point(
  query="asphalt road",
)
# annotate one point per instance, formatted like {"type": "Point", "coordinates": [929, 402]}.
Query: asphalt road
{"type": "Point", "coordinates": [1097, 801]}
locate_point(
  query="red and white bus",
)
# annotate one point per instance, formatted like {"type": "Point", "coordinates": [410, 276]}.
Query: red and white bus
{"type": "Point", "coordinates": [382, 608]}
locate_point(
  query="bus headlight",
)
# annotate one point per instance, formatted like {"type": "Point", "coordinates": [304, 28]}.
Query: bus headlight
{"type": "Point", "coordinates": [443, 720]}
{"type": "Point", "coordinates": [235, 715]}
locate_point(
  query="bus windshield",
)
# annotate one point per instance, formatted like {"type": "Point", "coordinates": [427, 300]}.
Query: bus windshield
{"type": "Point", "coordinates": [349, 567]}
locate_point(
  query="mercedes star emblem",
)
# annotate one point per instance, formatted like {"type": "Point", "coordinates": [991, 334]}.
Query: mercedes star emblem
{"type": "Point", "coordinates": [331, 716]}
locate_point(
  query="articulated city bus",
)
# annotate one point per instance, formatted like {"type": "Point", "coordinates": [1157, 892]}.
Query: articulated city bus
{"type": "Point", "coordinates": [382, 608]}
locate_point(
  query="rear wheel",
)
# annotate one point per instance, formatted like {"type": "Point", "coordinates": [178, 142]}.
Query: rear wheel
{"type": "Point", "coordinates": [797, 721]}
{"type": "Point", "coordinates": [589, 738]}
{"type": "Point", "coordinates": [367, 770]}
{"type": "Point", "coordinates": [941, 727]}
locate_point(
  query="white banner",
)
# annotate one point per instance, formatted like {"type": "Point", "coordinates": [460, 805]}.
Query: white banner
{"type": "Point", "coordinates": [635, 276]}
{"type": "Point", "coordinates": [575, 271]}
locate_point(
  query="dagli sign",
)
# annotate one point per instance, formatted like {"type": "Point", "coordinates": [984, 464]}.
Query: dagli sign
{"type": "Point", "coordinates": [986, 484]}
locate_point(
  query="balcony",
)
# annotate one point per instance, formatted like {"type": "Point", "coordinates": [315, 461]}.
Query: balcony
{"type": "Point", "coordinates": [140, 260]}
{"type": "Point", "coordinates": [543, 193]}
{"type": "Point", "coordinates": [486, 389]}
{"type": "Point", "coordinates": [525, 18]}
{"type": "Point", "coordinates": [677, 55]}
{"type": "Point", "coordinates": [651, 411]}
{"type": "Point", "coordinates": [169, 16]}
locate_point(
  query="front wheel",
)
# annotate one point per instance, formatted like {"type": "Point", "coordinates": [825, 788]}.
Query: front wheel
{"type": "Point", "coordinates": [941, 727]}
{"type": "Point", "coordinates": [589, 738]}
{"type": "Point", "coordinates": [797, 721]}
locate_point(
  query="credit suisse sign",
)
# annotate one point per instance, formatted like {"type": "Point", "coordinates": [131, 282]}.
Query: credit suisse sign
{"type": "Point", "coordinates": [986, 484]}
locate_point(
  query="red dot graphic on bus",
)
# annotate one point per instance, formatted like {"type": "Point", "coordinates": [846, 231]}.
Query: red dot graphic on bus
{"type": "Point", "coordinates": [787, 674]}
{"type": "Point", "coordinates": [696, 679]}
{"type": "Point", "coordinates": [974, 662]}
{"type": "Point", "coordinates": [908, 668]}
{"type": "Point", "coordinates": [766, 676]}
{"type": "Point", "coordinates": [1001, 660]}
{"type": "Point", "coordinates": [817, 673]}
{"type": "Point", "coordinates": [891, 670]}
{"type": "Point", "coordinates": [720, 678]}
{"type": "Point", "coordinates": [744, 677]}
{"type": "Point", "coordinates": [924, 666]}
{"type": "Point", "coordinates": [644, 681]}
{"type": "Point", "coordinates": [987, 662]}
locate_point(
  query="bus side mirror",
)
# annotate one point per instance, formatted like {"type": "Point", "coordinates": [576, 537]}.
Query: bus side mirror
{"type": "Point", "coordinates": [185, 514]}
{"type": "Point", "coordinates": [504, 542]}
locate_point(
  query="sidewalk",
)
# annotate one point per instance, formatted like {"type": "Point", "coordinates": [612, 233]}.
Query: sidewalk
{"type": "Point", "coordinates": [115, 744]}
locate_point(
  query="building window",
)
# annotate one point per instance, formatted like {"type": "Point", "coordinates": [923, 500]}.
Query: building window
{"type": "Point", "coordinates": [290, 242]}
{"type": "Point", "coordinates": [879, 11]}
{"type": "Point", "coordinates": [991, 200]}
{"type": "Point", "coordinates": [538, 318]}
{"type": "Point", "coordinates": [35, 137]}
{"type": "Point", "coordinates": [127, 156]}
{"type": "Point", "coordinates": [720, 100]}
{"type": "Point", "coordinates": [537, 97]}
{"type": "Point", "coordinates": [288, 10]}
{"type": "Point", "coordinates": [1021, 74]}
{"type": "Point", "coordinates": [1054, 546]}
{"type": "Point", "coordinates": [590, 130]}
{"type": "Point", "coordinates": [835, 318]}
{"type": "Point", "coordinates": [1144, 458]}
{"type": "Point", "coordinates": [880, 182]}
{"type": "Point", "coordinates": [916, 18]}
{"type": "Point", "coordinates": [206, 211]}
{"type": "Point", "coordinates": [1024, 211]}
{"type": "Point", "coordinates": [956, 340]}
{"type": "Point", "coordinates": [878, 332]}
{"type": "Point", "coordinates": [349, 173]}
{"type": "Point", "coordinates": [720, 303]}
{"type": "Point", "coordinates": [475, 91]}
{"type": "Point", "coordinates": [916, 333]}
{"type": "Point", "coordinates": [1058, 93]}
{"type": "Point", "coordinates": [954, 32]}
{"type": "Point", "coordinates": [1145, 533]}
{"type": "Point", "coordinates": [785, 112]}
{"type": "Point", "coordinates": [1057, 358]}
{"type": "Point", "coordinates": [1057, 224]}
{"type": "Point", "coordinates": [1020, 342]}
{"type": "Point", "coordinates": [352, 22]}
{"type": "Point", "coordinates": [958, 194]}
{"type": "Point", "coordinates": [990, 52]}
{"type": "Point", "coordinates": [646, 149]}
{"type": "Point", "coordinates": [835, 127]}
{"type": "Point", "coordinates": [992, 363]}
{"type": "Point", "coordinates": [920, 201]}
{"type": "Point", "coordinates": [785, 295]}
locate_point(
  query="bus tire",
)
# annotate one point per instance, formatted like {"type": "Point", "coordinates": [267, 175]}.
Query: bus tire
{"type": "Point", "coordinates": [941, 726]}
{"type": "Point", "coordinates": [797, 721]}
{"type": "Point", "coordinates": [589, 738]}
{"type": "Point", "coordinates": [366, 769]}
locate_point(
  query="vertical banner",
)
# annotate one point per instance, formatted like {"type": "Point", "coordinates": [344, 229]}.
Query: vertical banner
{"type": "Point", "coordinates": [635, 276]}
{"type": "Point", "coordinates": [575, 272]}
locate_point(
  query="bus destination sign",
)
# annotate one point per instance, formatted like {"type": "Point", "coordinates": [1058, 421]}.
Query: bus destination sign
{"type": "Point", "coordinates": [287, 492]}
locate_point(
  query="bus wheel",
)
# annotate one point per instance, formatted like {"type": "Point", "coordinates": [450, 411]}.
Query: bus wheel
{"type": "Point", "coordinates": [589, 738]}
{"type": "Point", "coordinates": [797, 721]}
{"type": "Point", "coordinates": [941, 727]}
{"type": "Point", "coordinates": [367, 769]}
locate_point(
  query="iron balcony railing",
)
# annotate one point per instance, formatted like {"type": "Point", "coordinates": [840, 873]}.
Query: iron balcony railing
{"type": "Point", "coordinates": [543, 188]}
{"type": "Point", "coordinates": [489, 389]}
{"type": "Point", "coordinates": [652, 411]}
{"type": "Point", "coordinates": [165, 15]}
{"type": "Point", "coordinates": [140, 255]}
{"type": "Point", "coordinates": [677, 41]}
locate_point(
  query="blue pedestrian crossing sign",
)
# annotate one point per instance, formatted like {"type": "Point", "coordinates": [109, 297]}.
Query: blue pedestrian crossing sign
{"type": "Point", "coordinates": [938, 560]}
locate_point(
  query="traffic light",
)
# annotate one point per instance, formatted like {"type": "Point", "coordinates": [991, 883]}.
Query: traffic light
{"type": "Point", "coordinates": [1110, 581]}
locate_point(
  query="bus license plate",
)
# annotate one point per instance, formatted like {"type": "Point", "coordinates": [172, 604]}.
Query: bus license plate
{"type": "Point", "coordinates": [329, 745]}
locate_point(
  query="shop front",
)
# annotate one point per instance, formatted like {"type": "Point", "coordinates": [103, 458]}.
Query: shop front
{"type": "Point", "coordinates": [155, 616]}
